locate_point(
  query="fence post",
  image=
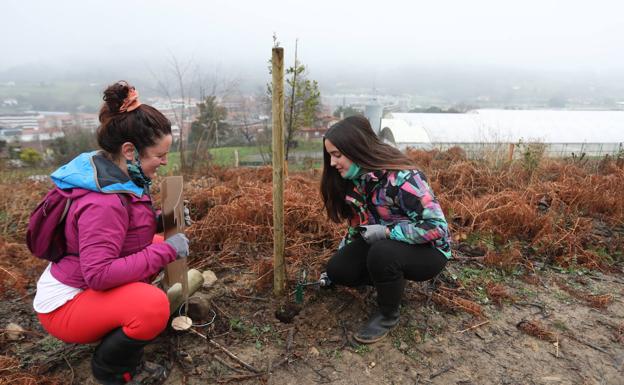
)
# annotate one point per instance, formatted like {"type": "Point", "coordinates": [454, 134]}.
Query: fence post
{"type": "Point", "coordinates": [511, 152]}
{"type": "Point", "coordinates": [279, 266]}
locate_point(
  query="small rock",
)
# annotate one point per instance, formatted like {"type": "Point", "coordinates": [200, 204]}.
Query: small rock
{"type": "Point", "coordinates": [209, 279]}
{"type": "Point", "coordinates": [199, 308]}
{"type": "Point", "coordinates": [403, 346]}
{"type": "Point", "coordinates": [372, 365]}
{"type": "Point", "coordinates": [313, 352]}
{"type": "Point", "coordinates": [14, 331]}
{"type": "Point", "coordinates": [186, 357]}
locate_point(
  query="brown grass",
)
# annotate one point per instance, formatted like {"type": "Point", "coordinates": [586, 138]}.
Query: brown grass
{"type": "Point", "coordinates": [450, 299]}
{"type": "Point", "coordinates": [554, 210]}
{"type": "Point", "coordinates": [18, 268]}
{"type": "Point", "coordinates": [549, 215]}
{"type": "Point", "coordinates": [598, 301]}
{"type": "Point", "coordinates": [536, 329]}
{"type": "Point", "coordinates": [12, 374]}
{"type": "Point", "coordinates": [237, 229]}
{"type": "Point", "coordinates": [498, 293]}
{"type": "Point", "coordinates": [17, 200]}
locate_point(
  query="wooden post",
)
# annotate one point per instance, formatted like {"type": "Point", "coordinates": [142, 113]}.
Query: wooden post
{"type": "Point", "coordinates": [173, 223]}
{"type": "Point", "coordinates": [236, 158]}
{"type": "Point", "coordinates": [279, 266]}
{"type": "Point", "coordinates": [510, 153]}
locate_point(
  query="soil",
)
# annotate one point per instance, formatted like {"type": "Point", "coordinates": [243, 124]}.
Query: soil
{"type": "Point", "coordinates": [580, 344]}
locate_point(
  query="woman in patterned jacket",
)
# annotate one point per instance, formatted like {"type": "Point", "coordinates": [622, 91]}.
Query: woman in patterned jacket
{"type": "Point", "coordinates": [397, 230]}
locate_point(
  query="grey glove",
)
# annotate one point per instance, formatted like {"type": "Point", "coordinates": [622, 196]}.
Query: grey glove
{"type": "Point", "coordinates": [187, 214]}
{"type": "Point", "coordinates": [180, 243]}
{"type": "Point", "coordinates": [324, 280]}
{"type": "Point", "coordinates": [373, 233]}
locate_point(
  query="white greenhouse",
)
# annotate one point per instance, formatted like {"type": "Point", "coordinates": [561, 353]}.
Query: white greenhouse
{"type": "Point", "coordinates": [563, 133]}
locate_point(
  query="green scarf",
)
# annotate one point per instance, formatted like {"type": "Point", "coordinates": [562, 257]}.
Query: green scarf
{"type": "Point", "coordinates": [136, 173]}
{"type": "Point", "coordinates": [353, 172]}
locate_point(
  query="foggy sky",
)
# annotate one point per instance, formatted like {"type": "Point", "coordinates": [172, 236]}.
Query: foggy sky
{"type": "Point", "coordinates": [334, 36]}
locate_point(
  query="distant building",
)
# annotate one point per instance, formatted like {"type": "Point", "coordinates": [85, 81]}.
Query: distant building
{"type": "Point", "coordinates": [312, 132]}
{"type": "Point", "coordinates": [36, 135]}
{"type": "Point", "coordinates": [10, 135]}
{"type": "Point", "coordinates": [563, 132]}
{"type": "Point", "coordinates": [57, 124]}
{"type": "Point", "coordinates": [24, 121]}
{"type": "Point", "coordinates": [45, 125]}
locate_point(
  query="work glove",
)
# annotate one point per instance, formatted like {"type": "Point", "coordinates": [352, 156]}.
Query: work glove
{"type": "Point", "coordinates": [324, 280]}
{"type": "Point", "coordinates": [372, 233]}
{"type": "Point", "coordinates": [180, 243]}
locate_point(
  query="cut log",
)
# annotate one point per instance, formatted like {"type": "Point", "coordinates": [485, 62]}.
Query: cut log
{"type": "Point", "coordinates": [175, 294]}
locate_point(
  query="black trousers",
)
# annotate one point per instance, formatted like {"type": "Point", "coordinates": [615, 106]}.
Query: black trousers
{"type": "Point", "coordinates": [359, 263]}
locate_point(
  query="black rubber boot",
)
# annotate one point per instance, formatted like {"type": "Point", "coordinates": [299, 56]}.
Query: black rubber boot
{"type": "Point", "coordinates": [387, 317]}
{"type": "Point", "coordinates": [116, 359]}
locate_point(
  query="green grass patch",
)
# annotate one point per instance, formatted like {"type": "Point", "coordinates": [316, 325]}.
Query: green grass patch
{"type": "Point", "coordinates": [20, 174]}
{"type": "Point", "coordinates": [225, 157]}
{"type": "Point", "coordinates": [362, 349]}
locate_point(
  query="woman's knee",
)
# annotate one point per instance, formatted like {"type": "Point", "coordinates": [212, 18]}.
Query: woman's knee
{"type": "Point", "coordinates": [341, 272]}
{"type": "Point", "coordinates": [150, 314]}
{"type": "Point", "coordinates": [337, 271]}
{"type": "Point", "coordinates": [381, 263]}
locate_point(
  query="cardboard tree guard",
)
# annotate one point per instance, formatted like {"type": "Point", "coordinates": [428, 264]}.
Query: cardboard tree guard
{"type": "Point", "coordinates": [173, 223]}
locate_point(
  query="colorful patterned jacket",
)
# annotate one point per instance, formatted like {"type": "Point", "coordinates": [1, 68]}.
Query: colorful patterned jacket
{"type": "Point", "coordinates": [403, 201]}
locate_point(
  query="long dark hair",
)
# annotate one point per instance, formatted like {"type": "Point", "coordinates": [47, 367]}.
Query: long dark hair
{"type": "Point", "coordinates": [141, 127]}
{"type": "Point", "coordinates": [355, 139]}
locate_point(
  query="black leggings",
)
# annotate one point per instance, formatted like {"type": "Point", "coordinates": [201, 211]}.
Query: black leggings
{"type": "Point", "coordinates": [359, 263]}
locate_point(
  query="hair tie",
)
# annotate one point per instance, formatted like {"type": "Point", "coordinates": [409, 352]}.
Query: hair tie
{"type": "Point", "coordinates": [131, 102]}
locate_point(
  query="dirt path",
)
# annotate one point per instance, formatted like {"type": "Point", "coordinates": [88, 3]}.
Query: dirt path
{"type": "Point", "coordinates": [430, 346]}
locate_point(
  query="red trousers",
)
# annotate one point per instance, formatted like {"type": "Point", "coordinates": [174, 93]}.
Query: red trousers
{"type": "Point", "coordinates": [140, 309]}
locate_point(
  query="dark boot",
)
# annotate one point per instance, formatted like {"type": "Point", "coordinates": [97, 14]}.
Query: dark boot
{"type": "Point", "coordinates": [387, 316]}
{"type": "Point", "coordinates": [117, 358]}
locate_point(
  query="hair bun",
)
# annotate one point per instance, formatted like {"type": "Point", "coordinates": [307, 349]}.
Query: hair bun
{"type": "Point", "coordinates": [115, 94]}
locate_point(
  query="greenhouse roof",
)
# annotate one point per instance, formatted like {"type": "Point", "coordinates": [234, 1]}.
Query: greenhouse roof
{"type": "Point", "coordinates": [509, 126]}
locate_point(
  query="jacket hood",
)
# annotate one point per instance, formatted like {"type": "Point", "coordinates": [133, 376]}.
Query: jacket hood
{"type": "Point", "coordinates": [94, 172]}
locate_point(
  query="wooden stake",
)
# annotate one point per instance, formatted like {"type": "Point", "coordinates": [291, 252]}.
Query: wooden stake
{"type": "Point", "coordinates": [510, 153]}
{"type": "Point", "coordinates": [279, 266]}
{"type": "Point", "coordinates": [173, 223]}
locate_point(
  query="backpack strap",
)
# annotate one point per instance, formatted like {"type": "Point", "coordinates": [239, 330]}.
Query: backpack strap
{"type": "Point", "coordinates": [65, 210]}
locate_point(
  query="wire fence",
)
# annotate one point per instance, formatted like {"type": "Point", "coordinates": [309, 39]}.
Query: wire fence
{"type": "Point", "coordinates": [517, 150]}
{"type": "Point", "coordinates": [481, 150]}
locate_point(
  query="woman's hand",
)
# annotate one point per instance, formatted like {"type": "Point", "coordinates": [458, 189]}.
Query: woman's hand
{"type": "Point", "coordinates": [180, 243]}
{"type": "Point", "coordinates": [373, 233]}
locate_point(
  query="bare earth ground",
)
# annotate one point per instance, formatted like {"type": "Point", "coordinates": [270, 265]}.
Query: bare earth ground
{"type": "Point", "coordinates": [430, 346]}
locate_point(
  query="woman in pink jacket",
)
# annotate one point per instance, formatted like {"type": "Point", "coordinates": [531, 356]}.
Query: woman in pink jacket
{"type": "Point", "coordinates": [100, 291]}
